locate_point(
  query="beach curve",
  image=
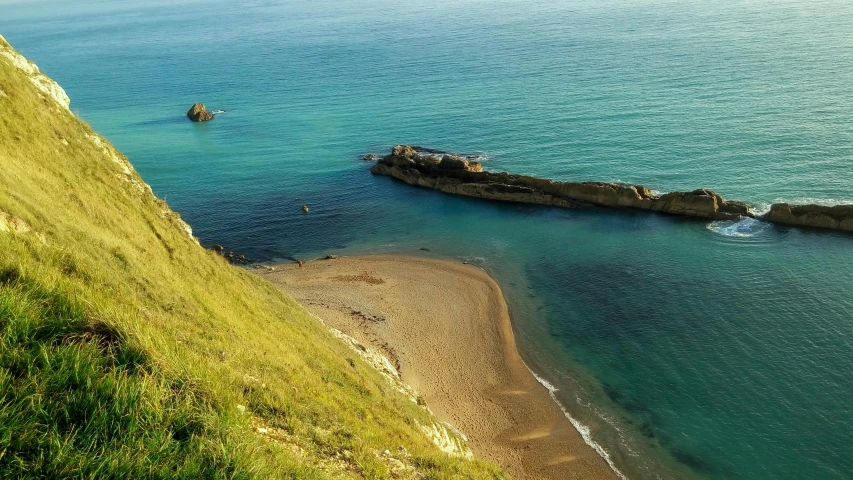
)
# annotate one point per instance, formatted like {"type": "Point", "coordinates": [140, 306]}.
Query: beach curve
{"type": "Point", "coordinates": [446, 327]}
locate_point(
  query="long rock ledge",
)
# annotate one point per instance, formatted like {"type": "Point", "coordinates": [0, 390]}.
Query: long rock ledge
{"type": "Point", "coordinates": [461, 176]}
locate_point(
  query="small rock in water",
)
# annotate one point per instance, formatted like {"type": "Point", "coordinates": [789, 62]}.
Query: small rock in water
{"type": "Point", "coordinates": [305, 208]}
{"type": "Point", "coordinates": [369, 156]}
{"type": "Point", "coordinates": [199, 113]}
{"type": "Point", "coordinates": [425, 249]}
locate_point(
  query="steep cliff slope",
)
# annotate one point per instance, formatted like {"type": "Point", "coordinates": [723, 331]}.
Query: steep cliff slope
{"type": "Point", "coordinates": [128, 351]}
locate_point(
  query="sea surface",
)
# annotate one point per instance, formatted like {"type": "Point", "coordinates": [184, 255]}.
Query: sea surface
{"type": "Point", "coordinates": [688, 349]}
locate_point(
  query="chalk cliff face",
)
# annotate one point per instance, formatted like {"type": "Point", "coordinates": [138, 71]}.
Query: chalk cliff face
{"type": "Point", "coordinates": [456, 175]}
{"type": "Point", "coordinates": [839, 217]}
{"type": "Point", "coordinates": [44, 83]}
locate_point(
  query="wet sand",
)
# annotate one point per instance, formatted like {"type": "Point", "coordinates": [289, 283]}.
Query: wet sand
{"type": "Point", "coordinates": [446, 327]}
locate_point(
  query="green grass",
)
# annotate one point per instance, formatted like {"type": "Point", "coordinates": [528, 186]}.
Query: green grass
{"type": "Point", "coordinates": [126, 349]}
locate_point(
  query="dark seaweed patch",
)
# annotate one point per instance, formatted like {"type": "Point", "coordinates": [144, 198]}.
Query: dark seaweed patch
{"type": "Point", "coordinates": [693, 461]}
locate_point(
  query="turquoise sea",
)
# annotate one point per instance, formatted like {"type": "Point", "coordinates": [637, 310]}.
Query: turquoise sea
{"type": "Point", "coordinates": [688, 349]}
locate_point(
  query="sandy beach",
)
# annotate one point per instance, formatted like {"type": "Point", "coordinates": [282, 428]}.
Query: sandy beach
{"type": "Point", "coordinates": [446, 327]}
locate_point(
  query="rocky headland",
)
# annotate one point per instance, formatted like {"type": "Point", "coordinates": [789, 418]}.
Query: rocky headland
{"type": "Point", "coordinates": [461, 175]}
{"type": "Point", "coordinates": [219, 356]}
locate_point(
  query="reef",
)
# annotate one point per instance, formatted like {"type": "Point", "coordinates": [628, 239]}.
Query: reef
{"type": "Point", "coordinates": [462, 175]}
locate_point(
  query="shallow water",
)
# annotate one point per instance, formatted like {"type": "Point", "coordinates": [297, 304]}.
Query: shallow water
{"type": "Point", "coordinates": [717, 350]}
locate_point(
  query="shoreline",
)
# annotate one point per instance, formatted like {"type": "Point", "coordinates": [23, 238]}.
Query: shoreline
{"type": "Point", "coordinates": [463, 362]}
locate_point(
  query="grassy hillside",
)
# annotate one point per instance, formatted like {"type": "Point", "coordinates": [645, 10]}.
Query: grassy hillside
{"type": "Point", "coordinates": [128, 351]}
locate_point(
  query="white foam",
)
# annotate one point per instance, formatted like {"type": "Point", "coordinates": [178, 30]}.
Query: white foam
{"type": "Point", "coordinates": [581, 428]}
{"type": "Point", "coordinates": [217, 112]}
{"type": "Point", "coordinates": [745, 228]}
{"type": "Point", "coordinates": [760, 209]}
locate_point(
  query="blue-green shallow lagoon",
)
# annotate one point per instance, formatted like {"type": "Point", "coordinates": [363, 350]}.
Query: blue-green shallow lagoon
{"type": "Point", "coordinates": [689, 349]}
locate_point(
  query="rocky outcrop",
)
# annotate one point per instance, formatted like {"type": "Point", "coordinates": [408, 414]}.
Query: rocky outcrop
{"type": "Point", "coordinates": [11, 224]}
{"type": "Point", "coordinates": [839, 217]}
{"type": "Point", "coordinates": [44, 83]}
{"type": "Point", "coordinates": [199, 113]}
{"type": "Point", "coordinates": [460, 176]}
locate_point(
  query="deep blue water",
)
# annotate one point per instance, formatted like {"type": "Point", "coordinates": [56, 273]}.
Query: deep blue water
{"type": "Point", "coordinates": [690, 349]}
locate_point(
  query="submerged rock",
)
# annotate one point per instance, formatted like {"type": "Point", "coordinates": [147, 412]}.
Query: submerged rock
{"type": "Point", "coordinates": [199, 113]}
